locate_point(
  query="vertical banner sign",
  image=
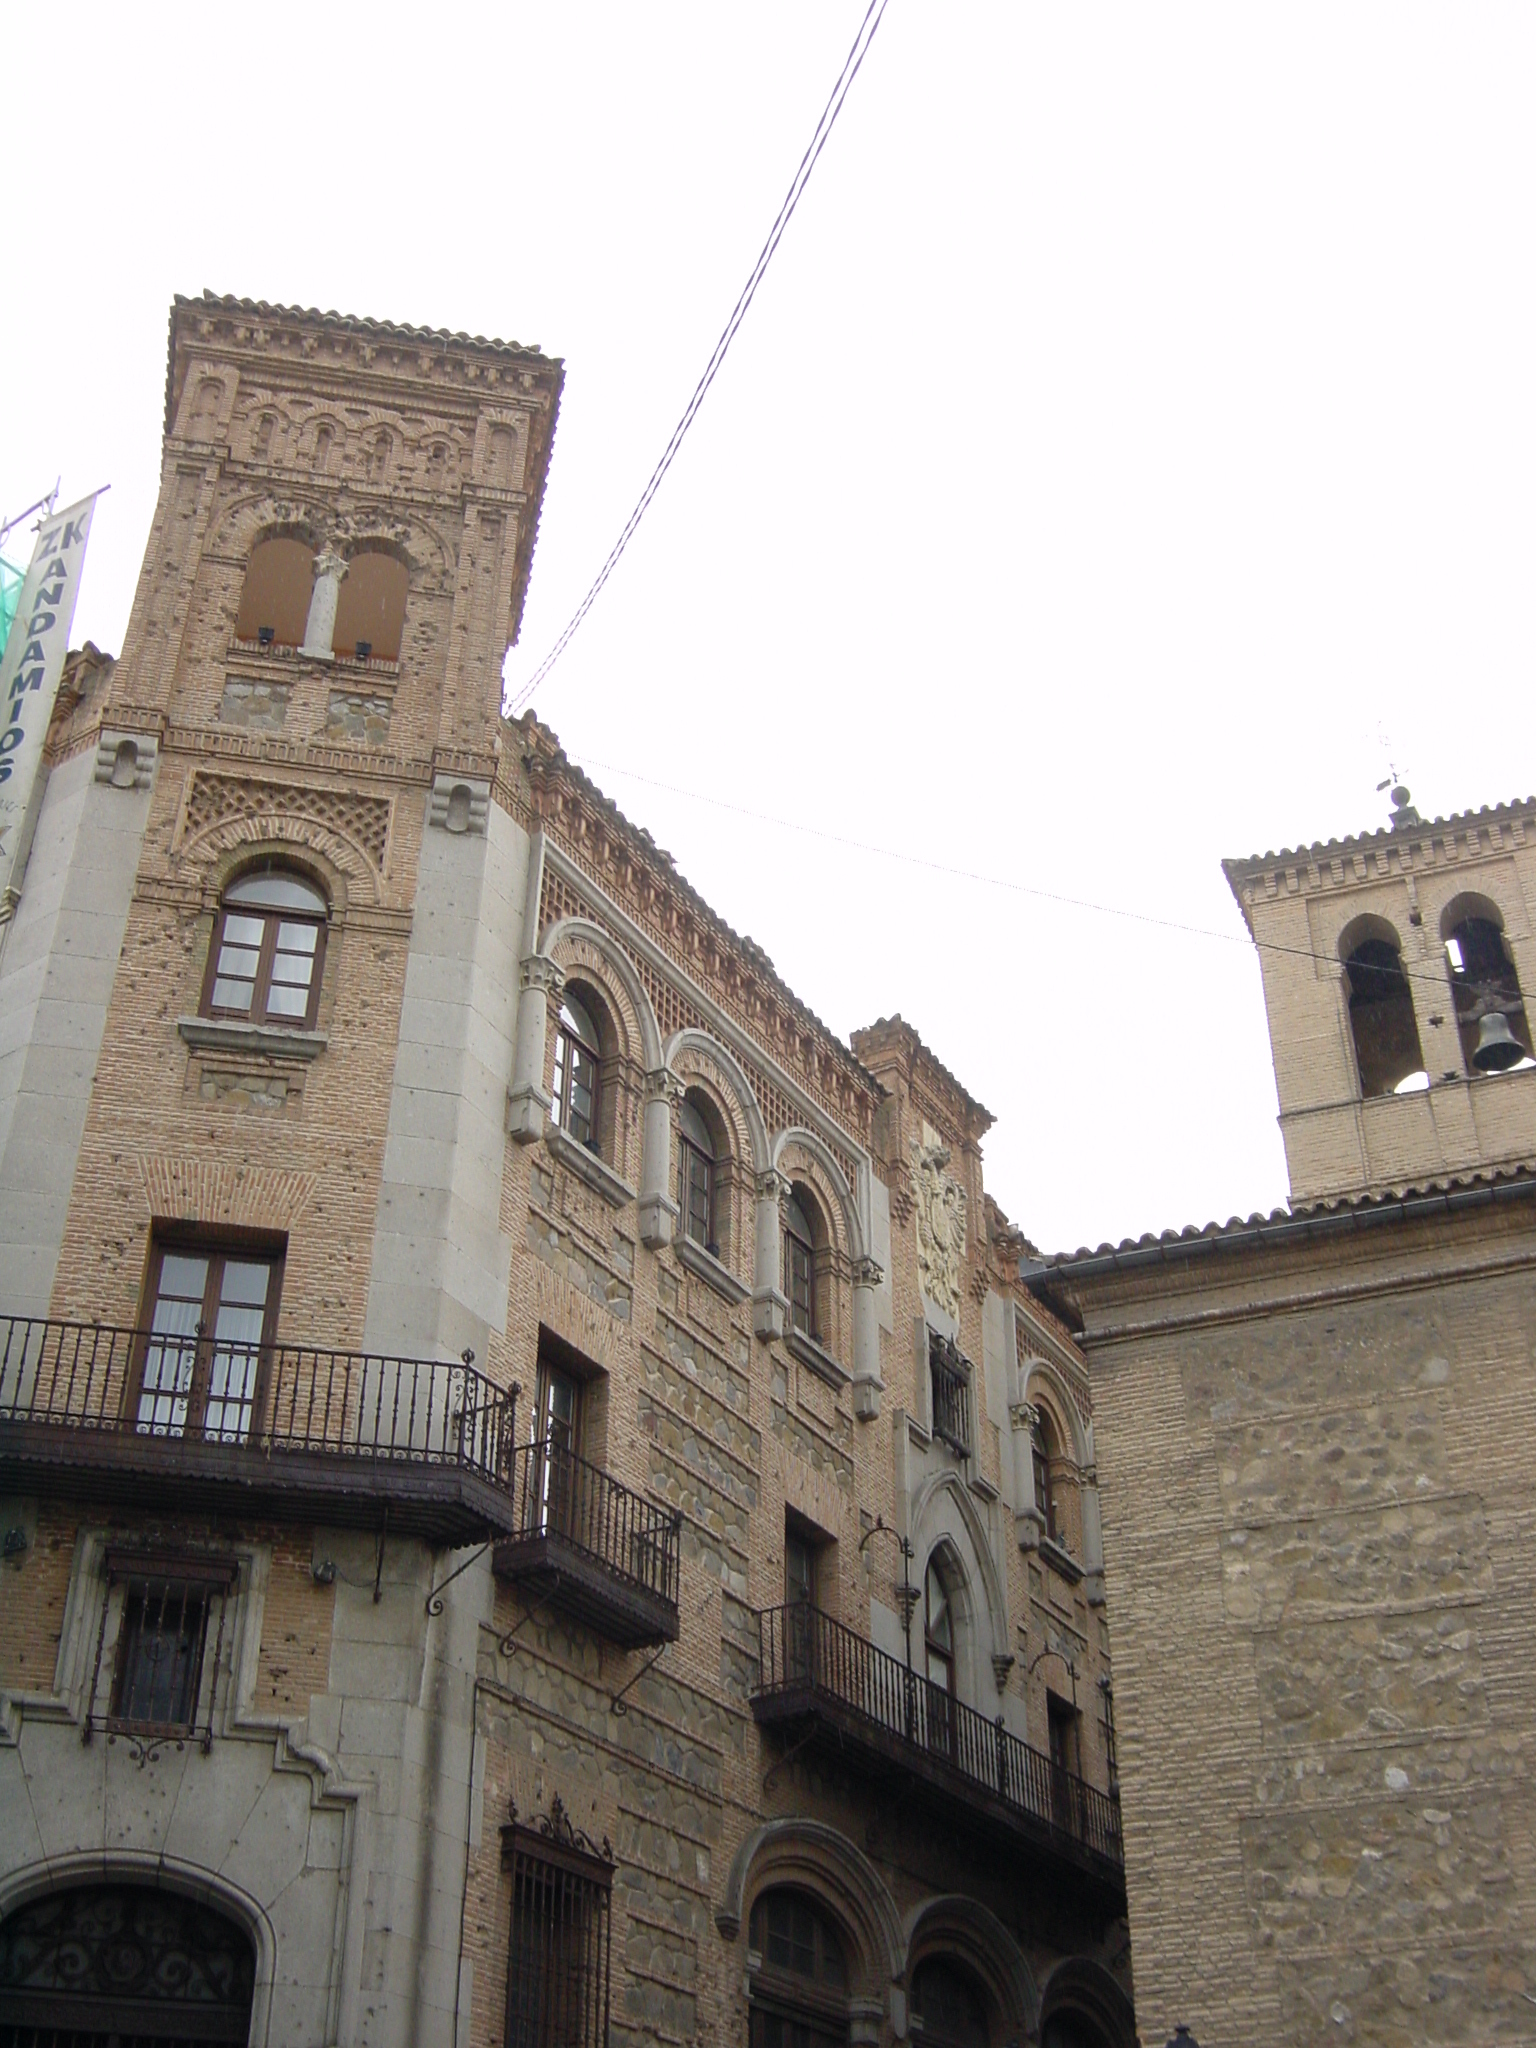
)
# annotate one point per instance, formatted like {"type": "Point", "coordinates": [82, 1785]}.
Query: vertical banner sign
{"type": "Point", "coordinates": [31, 666]}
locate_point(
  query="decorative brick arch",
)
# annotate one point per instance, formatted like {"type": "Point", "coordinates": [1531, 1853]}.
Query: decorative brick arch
{"type": "Point", "coordinates": [1063, 1406]}
{"type": "Point", "coordinates": [577, 943]}
{"type": "Point", "coordinates": [1081, 1986]}
{"type": "Point", "coordinates": [827, 1177]}
{"type": "Point", "coordinates": [954, 1925]}
{"type": "Point", "coordinates": [759, 1155]}
{"type": "Point", "coordinates": [817, 1859]}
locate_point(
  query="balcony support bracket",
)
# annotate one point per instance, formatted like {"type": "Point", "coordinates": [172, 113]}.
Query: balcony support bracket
{"type": "Point", "coordinates": [617, 1702]}
{"type": "Point", "coordinates": [435, 1597]}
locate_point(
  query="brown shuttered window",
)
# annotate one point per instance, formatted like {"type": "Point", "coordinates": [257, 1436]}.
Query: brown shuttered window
{"type": "Point", "coordinates": [558, 1954]}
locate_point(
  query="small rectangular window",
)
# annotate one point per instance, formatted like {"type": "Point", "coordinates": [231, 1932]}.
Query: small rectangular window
{"type": "Point", "coordinates": [162, 1637]}
{"type": "Point", "coordinates": [558, 1951]}
{"type": "Point", "coordinates": [950, 1389]}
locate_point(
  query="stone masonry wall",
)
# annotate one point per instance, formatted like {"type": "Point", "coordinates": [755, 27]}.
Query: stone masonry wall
{"type": "Point", "coordinates": [1318, 1527]}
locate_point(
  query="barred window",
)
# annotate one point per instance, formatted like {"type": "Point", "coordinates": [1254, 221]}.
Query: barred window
{"type": "Point", "coordinates": [162, 1638]}
{"type": "Point", "coordinates": [558, 1952]}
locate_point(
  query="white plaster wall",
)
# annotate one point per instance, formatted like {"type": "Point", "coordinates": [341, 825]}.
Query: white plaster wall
{"type": "Point", "coordinates": [60, 955]}
{"type": "Point", "coordinates": [441, 1262]}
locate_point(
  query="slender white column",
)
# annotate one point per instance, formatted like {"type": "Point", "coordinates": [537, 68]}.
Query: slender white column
{"type": "Point", "coordinates": [542, 984]}
{"type": "Point", "coordinates": [320, 626]}
{"type": "Point", "coordinates": [867, 1383]}
{"type": "Point", "coordinates": [769, 1306]}
{"type": "Point", "coordinates": [658, 1211]}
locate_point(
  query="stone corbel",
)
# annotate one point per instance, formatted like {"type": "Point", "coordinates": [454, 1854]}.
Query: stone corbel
{"type": "Point", "coordinates": [543, 983]}
{"type": "Point", "coordinates": [1003, 1662]}
{"type": "Point", "coordinates": [770, 1309]}
{"type": "Point", "coordinates": [658, 1211]}
{"type": "Point", "coordinates": [460, 803]}
{"type": "Point", "coordinates": [126, 760]}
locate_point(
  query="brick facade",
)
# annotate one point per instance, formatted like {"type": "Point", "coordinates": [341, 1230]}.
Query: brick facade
{"type": "Point", "coordinates": [387, 1682]}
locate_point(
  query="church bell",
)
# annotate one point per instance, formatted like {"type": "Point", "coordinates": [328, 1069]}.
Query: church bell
{"type": "Point", "coordinates": [1498, 1049]}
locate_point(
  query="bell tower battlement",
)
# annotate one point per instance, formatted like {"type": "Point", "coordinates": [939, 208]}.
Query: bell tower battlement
{"type": "Point", "coordinates": [344, 533]}
{"type": "Point", "coordinates": [1395, 965]}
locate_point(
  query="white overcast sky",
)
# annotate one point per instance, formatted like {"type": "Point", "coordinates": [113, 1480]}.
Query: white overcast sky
{"type": "Point", "coordinates": [1136, 425]}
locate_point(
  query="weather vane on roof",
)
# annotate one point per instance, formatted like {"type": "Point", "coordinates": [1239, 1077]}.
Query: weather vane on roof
{"type": "Point", "coordinates": [1403, 813]}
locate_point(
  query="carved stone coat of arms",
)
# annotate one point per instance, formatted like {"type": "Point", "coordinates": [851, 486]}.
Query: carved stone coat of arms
{"type": "Point", "coordinates": [940, 1203]}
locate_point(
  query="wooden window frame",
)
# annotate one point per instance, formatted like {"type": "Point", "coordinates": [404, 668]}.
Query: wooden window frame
{"type": "Point", "coordinates": [795, 1244]}
{"type": "Point", "coordinates": [567, 1040]}
{"type": "Point", "coordinates": [691, 1160]}
{"type": "Point", "coordinates": [261, 988]}
{"type": "Point", "coordinates": [780, 1992]}
{"type": "Point", "coordinates": [218, 1248]}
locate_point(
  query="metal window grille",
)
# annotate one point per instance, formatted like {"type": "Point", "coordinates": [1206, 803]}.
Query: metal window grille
{"type": "Point", "coordinates": [559, 1947]}
{"type": "Point", "coordinates": [157, 1679]}
{"type": "Point", "coordinates": [951, 1385]}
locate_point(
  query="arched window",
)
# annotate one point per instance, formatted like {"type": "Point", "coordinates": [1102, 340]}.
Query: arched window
{"type": "Point", "coordinates": [1043, 1450]}
{"type": "Point", "coordinates": [1381, 1018]}
{"type": "Point", "coordinates": [800, 1986]}
{"type": "Point", "coordinates": [950, 2006]}
{"type": "Point", "coordinates": [274, 605]}
{"type": "Point", "coordinates": [577, 1071]}
{"type": "Point", "coordinates": [370, 609]}
{"type": "Point", "coordinates": [801, 1239]}
{"type": "Point", "coordinates": [940, 1720]}
{"type": "Point", "coordinates": [696, 1172]}
{"type": "Point", "coordinates": [124, 1962]}
{"type": "Point", "coordinates": [1490, 1011]}
{"type": "Point", "coordinates": [268, 950]}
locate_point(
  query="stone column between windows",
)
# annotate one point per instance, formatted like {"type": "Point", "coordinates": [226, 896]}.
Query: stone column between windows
{"type": "Point", "coordinates": [320, 626]}
{"type": "Point", "coordinates": [658, 1211]}
{"type": "Point", "coordinates": [770, 1309]}
{"type": "Point", "coordinates": [1028, 1521]}
{"type": "Point", "coordinates": [542, 985]}
{"type": "Point", "coordinates": [867, 1383]}
{"type": "Point", "coordinates": [1093, 1529]}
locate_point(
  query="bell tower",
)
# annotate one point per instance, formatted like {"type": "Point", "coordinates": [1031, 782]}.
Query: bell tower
{"type": "Point", "coordinates": [1395, 967]}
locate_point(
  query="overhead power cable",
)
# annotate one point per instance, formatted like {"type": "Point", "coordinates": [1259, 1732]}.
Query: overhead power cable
{"type": "Point", "coordinates": [1014, 887]}
{"type": "Point", "coordinates": [798, 183]}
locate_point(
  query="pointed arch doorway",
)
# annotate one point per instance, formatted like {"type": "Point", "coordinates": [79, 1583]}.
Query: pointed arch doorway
{"type": "Point", "coordinates": [123, 1966]}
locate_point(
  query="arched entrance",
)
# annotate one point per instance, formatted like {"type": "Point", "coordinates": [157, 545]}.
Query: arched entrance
{"type": "Point", "coordinates": [119, 1965]}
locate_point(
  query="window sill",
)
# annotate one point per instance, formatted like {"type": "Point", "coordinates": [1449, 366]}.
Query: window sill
{"type": "Point", "coordinates": [710, 1270]}
{"type": "Point", "coordinates": [224, 1034]}
{"type": "Point", "coordinates": [597, 1173]}
{"type": "Point", "coordinates": [1060, 1560]}
{"type": "Point", "coordinates": [811, 1355]}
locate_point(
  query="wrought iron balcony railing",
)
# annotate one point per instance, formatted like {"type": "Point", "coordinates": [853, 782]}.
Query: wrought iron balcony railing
{"type": "Point", "coordinates": [815, 1668]}
{"type": "Point", "coordinates": [588, 1543]}
{"type": "Point", "coordinates": [107, 1410]}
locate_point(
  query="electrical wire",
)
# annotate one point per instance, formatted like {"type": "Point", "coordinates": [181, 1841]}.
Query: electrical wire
{"type": "Point", "coordinates": [1016, 888]}
{"type": "Point", "coordinates": [797, 185]}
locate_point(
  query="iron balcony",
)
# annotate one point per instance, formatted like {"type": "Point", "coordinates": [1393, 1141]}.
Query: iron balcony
{"type": "Point", "coordinates": [823, 1686]}
{"type": "Point", "coordinates": [585, 1544]}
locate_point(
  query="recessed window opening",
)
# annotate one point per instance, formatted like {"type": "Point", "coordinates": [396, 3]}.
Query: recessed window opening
{"type": "Point", "coordinates": [268, 950]}
{"type": "Point", "coordinates": [696, 1189]}
{"type": "Point", "coordinates": [577, 1069]}
{"type": "Point", "coordinates": [1490, 1010]}
{"type": "Point", "coordinates": [1381, 1019]}
{"type": "Point", "coordinates": [1043, 1451]}
{"type": "Point", "coordinates": [940, 1720]}
{"type": "Point", "coordinates": [800, 1985]}
{"type": "Point", "coordinates": [951, 2008]}
{"type": "Point", "coordinates": [800, 1264]}
{"type": "Point", "coordinates": [274, 604]}
{"type": "Point", "coordinates": [370, 608]}
{"type": "Point", "coordinates": [559, 1947]}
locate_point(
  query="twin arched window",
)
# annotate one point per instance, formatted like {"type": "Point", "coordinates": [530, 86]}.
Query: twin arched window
{"type": "Point", "coordinates": [280, 584]}
{"type": "Point", "coordinates": [1490, 1011]}
{"type": "Point", "coordinates": [268, 950]}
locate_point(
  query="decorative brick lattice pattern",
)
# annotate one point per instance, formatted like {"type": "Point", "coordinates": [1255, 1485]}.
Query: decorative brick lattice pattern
{"type": "Point", "coordinates": [363, 819]}
{"type": "Point", "coordinates": [674, 1012]}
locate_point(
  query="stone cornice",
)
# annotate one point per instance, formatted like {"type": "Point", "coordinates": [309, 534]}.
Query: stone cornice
{"type": "Point", "coordinates": [891, 1042]}
{"type": "Point", "coordinates": [1370, 856]}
